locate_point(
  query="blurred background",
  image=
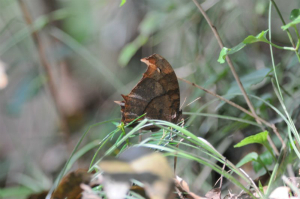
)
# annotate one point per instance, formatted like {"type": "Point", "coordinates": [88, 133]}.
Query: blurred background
{"type": "Point", "coordinates": [63, 63]}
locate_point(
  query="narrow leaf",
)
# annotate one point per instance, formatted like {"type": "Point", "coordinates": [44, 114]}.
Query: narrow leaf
{"type": "Point", "coordinates": [122, 2]}
{"type": "Point", "coordinates": [223, 54]}
{"type": "Point", "coordinates": [292, 23]}
{"type": "Point", "coordinates": [259, 138]}
{"type": "Point", "coordinates": [260, 37]}
{"type": "Point", "coordinates": [130, 49]}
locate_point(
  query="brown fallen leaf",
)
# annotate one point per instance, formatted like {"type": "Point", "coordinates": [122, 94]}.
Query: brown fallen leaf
{"type": "Point", "coordinates": [41, 195]}
{"type": "Point", "coordinates": [69, 187]}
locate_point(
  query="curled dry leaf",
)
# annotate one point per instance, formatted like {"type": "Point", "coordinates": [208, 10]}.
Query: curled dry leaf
{"type": "Point", "coordinates": [69, 187]}
{"type": "Point", "coordinates": [41, 195]}
{"type": "Point", "coordinates": [184, 188]}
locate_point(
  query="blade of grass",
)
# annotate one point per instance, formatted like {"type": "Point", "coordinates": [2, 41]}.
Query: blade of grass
{"type": "Point", "coordinates": [223, 117]}
{"type": "Point", "coordinates": [111, 149]}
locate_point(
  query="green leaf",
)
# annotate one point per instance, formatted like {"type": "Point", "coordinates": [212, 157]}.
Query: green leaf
{"type": "Point", "coordinates": [122, 2]}
{"type": "Point", "coordinates": [78, 24]}
{"type": "Point", "coordinates": [260, 37]}
{"type": "Point", "coordinates": [266, 158]}
{"type": "Point", "coordinates": [151, 23]}
{"type": "Point", "coordinates": [248, 158]}
{"type": "Point", "coordinates": [294, 14]}
{"type": "Point", "coordinates": [224, 52]}
{"type": "Point", "coordinates": [130, 49]}
{"type": "Point", "coordinates": [260, 138]}
{"type": "Point", "coordinates": [292, 23]}
{"type": "Point", "coordinates": [261, 188]}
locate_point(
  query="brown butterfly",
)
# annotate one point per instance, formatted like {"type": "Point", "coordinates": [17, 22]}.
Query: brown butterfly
{"type": "Point", "coordinates": [157, 94]}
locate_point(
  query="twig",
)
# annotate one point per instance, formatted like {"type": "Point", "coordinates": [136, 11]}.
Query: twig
{"type": "Point", "coordinates": [214, 29]}
{"type": "Point", "coordinates": [240, 108]}
{"type": "Point", "coordinates": [175, 157]}
{"type": "Point", "coordinates": [46, 65]}
{"type": "Point", "coordinates": [193, 101]}
{"type": "Point", "coordinates": [223, 168]}
{"type": "Point", "coordinates": [283, 22]}
{"type": "Point", "coordinates": [253, 184]}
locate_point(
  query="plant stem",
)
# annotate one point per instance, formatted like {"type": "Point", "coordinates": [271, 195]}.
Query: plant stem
{"type": "Point", "coordinates": [214, 29]}
{"type": "Point", "coordinates": [47, 67]}
{"type": "Point", "coordinates": [287, 30]}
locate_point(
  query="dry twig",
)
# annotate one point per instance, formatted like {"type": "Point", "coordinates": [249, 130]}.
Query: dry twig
{"type": "Point", "coordinates": [46, 65]}
{"type": "Point", "coordinates": [258, 120]}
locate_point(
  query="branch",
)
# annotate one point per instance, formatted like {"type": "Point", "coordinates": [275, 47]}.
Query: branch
{"type": "Point", "coordinates": [46, 65]}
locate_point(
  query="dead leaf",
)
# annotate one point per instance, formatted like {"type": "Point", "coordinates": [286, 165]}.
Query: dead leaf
{"type": "Point", "coordinates": [69, 187]}
{"type": "Point", "coordinates": [41, 195]}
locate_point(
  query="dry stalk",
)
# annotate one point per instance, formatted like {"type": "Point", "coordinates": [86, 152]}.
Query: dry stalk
{"type": "Point", "coordinates": [46, 65]}
{"type": "Point", "coordinates": [253, 114]}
